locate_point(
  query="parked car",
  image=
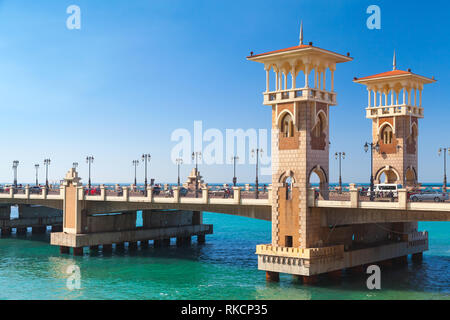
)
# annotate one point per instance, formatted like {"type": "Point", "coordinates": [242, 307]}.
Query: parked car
{"type": "Point", "coordinates": [429, 195]}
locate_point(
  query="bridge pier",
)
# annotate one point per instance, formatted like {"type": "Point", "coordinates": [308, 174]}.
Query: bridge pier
{"type": "Point", "coordinates": [272, 276]}
{"type": "Point", "coordinates": [6, 232]}
{"type": "Point", "coordinates": [21, 230]}
{"type": "Point", "coordinates": [64, 250]}
{"type": "Point", "coordinates": [165, 242]}
{"type": "Point", "coordinates": [39, 229]}
{"type": "Point", "coordinates": [107, 248]}
{"type": "Point", "coordinates": [120, 246]}
{"type": "Point", "coordinates": [144, 244]}
{"type": "Point", "coordinates": [201, 239]}
{"type": "Point", "coordinates": [133, 245]}
{"type": "Point", "coordinates": [78, 251]}
{"type": "Point", "coordinates": [94, 248]}
{"type": "Point", "coordinates": [417, 257]}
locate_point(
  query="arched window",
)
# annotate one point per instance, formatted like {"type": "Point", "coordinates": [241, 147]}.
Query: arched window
{"type": "Point", "coordinates": [287, 126]}
{"type": "Point", "coordinates": [320, 126]}
{"type": "Point", "coordinates": [387, 135]}
{"type": "Point", "coordinates": [288, 183]}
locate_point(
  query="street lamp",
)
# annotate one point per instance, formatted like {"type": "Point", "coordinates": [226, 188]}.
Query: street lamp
{"type": "Point", "coordinates": [196, 155]}
{"type": "Point", "coordinates": [75, 165]}
{"type": "Point", "coordinates": [89, 161]}
{"type": "Point", "coordinates": [340, 156]}
{"type": "Point", "coordinates": [135, 164]}
{"type": "Point", "coordinates": [366, 149]}
{"type": "Point", "coordinates": [46, 163]}
{"type": "Point", "coordinates": [36, 166]}
{"type": "Point", "coordinates": [179, 162]}
{"type": "Point", "coordinates": [146, 159]}
{"type": "Point", "coordinates": [256, 152]}
{"type": "Point", "coordinates": [235, 158]}
{"type": "Point", "coordinates": [444, 150]}
{"type": "Point", "coordinates": [15, 165]}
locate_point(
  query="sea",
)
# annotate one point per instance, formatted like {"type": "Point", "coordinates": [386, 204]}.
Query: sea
{"type": "Point", "coordinates": [223, 268]}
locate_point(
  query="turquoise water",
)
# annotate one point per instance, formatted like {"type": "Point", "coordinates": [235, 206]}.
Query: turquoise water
{"type": "Point", "coordinates": [224, 268]}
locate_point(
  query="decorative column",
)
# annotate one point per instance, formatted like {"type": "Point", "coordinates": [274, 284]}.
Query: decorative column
{"type": "Point", "coordinates": [392, 97]}
{"type": "Point", "coordinates": [324, 81]}
{"type": "Point", "coordinates": [267, 79]}
{"type": "Point", "coordinates": [293, 78]}
{"type": "Point", "coordinates": [307, 77]}
{"type": "Point", "coordinates": [332, 82]}
{"type": "Point", "coordinates": [369, 98]}
{"type": "Point", "coordinates": [404, 96]}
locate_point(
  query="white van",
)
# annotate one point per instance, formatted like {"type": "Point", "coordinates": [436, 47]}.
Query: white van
{"type": "Point", "coordinates": [384, 190]}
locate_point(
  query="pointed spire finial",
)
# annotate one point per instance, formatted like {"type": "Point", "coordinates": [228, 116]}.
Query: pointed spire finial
{"type": "Point", "coordinates": [394, 63]}
{"type": "Point", "coordinates": [301, 32]}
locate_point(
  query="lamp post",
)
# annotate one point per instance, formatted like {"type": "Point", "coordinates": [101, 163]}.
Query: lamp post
{"type": "Point", "coordinates": [444, 151]}
{"type": "Point", "coordinates": [135, 164]}
{"type": "Point", "coordinates": [196, 155]}
{"type": "Point", "coordinates": [146, 159]}
{"type": "Point", "coordinates": [179, 162]}
{"type": "Point", "coordinates": [340, 156]}
{"type": "Point", "coordinates": [89, 161]}
{"type": "Point", "coordinates": [366, 149]}
{"type": "Point", "coordinates": [15, 165]}
{"type": "Point", "coordinates": [75, 165]}
{"type": "Point", "coordinates": [36, 166]}
{"type": "Point", "coordinates": [46, 163]}
{"type": "Point", "coordinates": [235, 158]}
{"type": "Point", "coordinates": [256, 152]}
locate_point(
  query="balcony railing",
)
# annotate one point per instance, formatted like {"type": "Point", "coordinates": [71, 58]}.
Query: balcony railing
{"type": "Point", "coordinates": [300, 94]}
{"type": "Point", "coordinates": [394, 110]}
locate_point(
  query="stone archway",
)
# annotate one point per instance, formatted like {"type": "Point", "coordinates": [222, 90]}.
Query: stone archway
{"type": "Point", "coordinates": [387, 175]}
{"type": "Point", "coordinates": [323, 181]}
{"type": "Point", "coordinates": [410, 177]}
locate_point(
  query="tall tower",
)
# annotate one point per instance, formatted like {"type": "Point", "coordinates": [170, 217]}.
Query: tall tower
{"type": "Point", "coordinates": [395, 107]}
{"type": "Point", "coordinates": [300, 137]}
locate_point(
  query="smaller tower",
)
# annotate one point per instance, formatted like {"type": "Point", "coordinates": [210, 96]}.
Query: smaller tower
{"type": "Point", "coordinates": [395, 106]}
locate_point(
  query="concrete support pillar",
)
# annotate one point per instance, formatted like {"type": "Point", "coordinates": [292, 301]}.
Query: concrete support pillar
{"type": "Point", "coordinates": [272, 276]}
{"type": "Point", "coordinates": [144, 244]}
{"type": "Point", "coordinates": [308, 280]}
{"type": "Point", "coordinates": [180, 241]}
{"type": "Point", "coordinates": [157, 243]}
{"type": "Point", "coordinates": [201, 239]}
{"type": "Point", "coordinates": [57, 228]}
{"type": "Point", "coordinates": [107, 248]}
{"type": "Point", "coordinates": [176, 194]}
{"type": "Point", "coordinates": [93, 248]}
{"type": "Point", "coordinates": [103, 192]}
{"type": "Point", "coordinates": [354, 196]}
{"type": "Point", "coordinates": [6, 231]}
{"type": "Point", "coordinates": [120, 246]}
{"type": "Point", "coordinates": [39, 229]}
{"type": "Point", "coordinates": [197, 217]}
{"type": "Point", "coordinates": [401, 260]}
{"type": "Point", "coordinates": [187, 241]}
{"type": "Point", "coordinates": [402, 198]}
{"type": "Point", "coordinates": [237, 195]}
{"type": "Point", "coordinates": [165, 242]}
{"type": "Point", "coordinates": [78, 251]}
{"type": "Point", "coordinates": [21, 230]}
{"type": "Point", "coordinates": [417, 257]}
{"type": "Point", "coordinates": [205, 195]}
{"type": "Point", "coordinates": [64, 250]}
{"type": "Point", "coordinates": [132, 245]}
{"type": "Point", "coordinates": [335, 275]}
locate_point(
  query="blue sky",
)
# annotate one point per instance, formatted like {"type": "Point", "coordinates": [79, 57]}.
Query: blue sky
{"type": "Point", "coordinates": [138, 70]}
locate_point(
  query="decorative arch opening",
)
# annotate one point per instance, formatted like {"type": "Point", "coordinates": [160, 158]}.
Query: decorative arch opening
{"type": "Point", "coordinates": [320, 126]}
{"type": "Point", "coordinates": [387, 134]}
{"type": "Point", "coordinates": [287, 125]}
{"type": "Point", "coordinates": [387, 176]}
{"type": "Point", "coordinates": [411, 176]}
{"type": "Point", "coordinates": [411, 141]}
{"type": "Point", "coordinates": [318, 176]}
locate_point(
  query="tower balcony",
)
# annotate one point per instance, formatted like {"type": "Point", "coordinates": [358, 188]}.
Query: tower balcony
{"type": "Point", "coordinates": [394, 110]}
{"type": "Point", "coordinates": [299, 94]}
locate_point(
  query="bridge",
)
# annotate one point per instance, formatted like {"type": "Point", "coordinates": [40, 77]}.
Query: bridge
{"type": "Point", "coordinates": [314, 231]}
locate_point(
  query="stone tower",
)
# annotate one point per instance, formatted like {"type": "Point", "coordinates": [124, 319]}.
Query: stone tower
{"type": "Point", "coordinates": [300, 137]}
{"type": "Point", "coordinates": [395, 107]}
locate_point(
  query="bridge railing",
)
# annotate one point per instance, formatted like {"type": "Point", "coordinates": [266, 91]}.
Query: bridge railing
{"type": "Point", "coordinates": [175, 195]}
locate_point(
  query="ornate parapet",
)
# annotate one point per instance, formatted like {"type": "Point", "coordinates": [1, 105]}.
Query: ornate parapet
{"type": "Point", "coordinates": [300, 261]}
